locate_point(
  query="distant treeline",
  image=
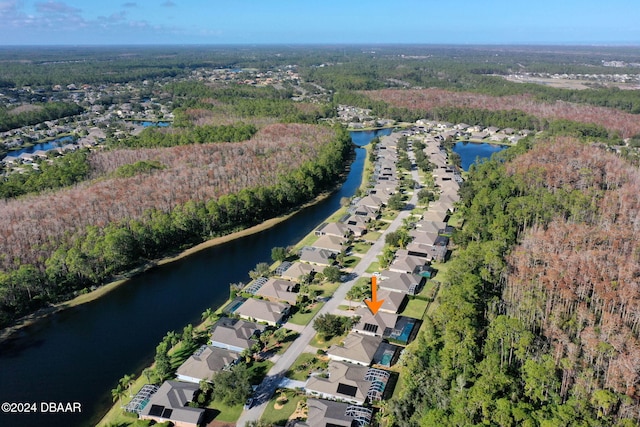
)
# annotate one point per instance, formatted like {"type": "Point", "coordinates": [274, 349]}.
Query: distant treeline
{"type": "Point", "coordinates": [242, 101]}
{"type": "Point", "coordinates": [100, 253]}
{"type": "Point", "coordinates": [514, 119]}
{"type": "Point", "coordinates": [40, 113]}
{"type": "Point", "coordinates": [156, 137]}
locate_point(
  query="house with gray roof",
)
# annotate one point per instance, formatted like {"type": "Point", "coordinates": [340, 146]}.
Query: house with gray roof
{"type": "Point", "coordinates": [279, 290]}
{"type": "Point", "coordinates": [400, 282]}
{"type": "Point", "coordinates": [356, 348]}
{"type": "Point", "coordinates": [235, 334]}
{"type": "Point", "coordinates": [407, 264]}
{"type": "Point", "coordinates": [331, 243]}
{"type": "Point", "coordinates": [349, 383]}
{"type": "Point", "coordinates": [317, 256]}
{"type": "Point", "coordinates": [169, 403]}
{"type": "Point", "coordinates": [269, 312]}
{"type": "Point", "coordinates": [297, 269]}
{"type": "Point", "coordinates": [372, 202]}
{"type": "Point", "coordinates": [380, 324]}
{"type": "Point", "coordinates": [428, 245]}
{"type": "Point", "coordinates": [205, 362]}
{"type": "Point", "coordinates": [326, 413]}
{"type": "Point", "coordinates": [393, 302]}
{"type": "Point", "coordinates": [336, 229]}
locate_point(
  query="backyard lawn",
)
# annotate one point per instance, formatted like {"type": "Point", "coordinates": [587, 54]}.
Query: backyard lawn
{"type": "Point", "coordinates": [415, 308]}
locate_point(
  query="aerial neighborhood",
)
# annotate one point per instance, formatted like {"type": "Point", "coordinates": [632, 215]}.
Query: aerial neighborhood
{"type": "Point", "coordinates": [391, 231]}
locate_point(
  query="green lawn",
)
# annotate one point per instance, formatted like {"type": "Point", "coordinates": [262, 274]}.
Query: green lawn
{"type": "Point", "coordinates": [351, 261]}
{"type": "Point", "coordinates": [429, 290]}
{"type": "Point", "coordinates": [279, 417]}
{"type": "Point", "coordinates": [372, 236]}
{"type": "Point", "coordinates": [226, 413]}
{"type": "Point", "coordinates": [373, 267]}
{"type": "Point", "coordinates": [362, 247]}
{"type": "Point", "coordinates": [415, 308]}
{"type": "Point", "coordinates": [390, 215]}
{"type": "Point", "coordinates": [327, 288]}
{"type": "Point", "coordinates": [304, 364]}
{"type": "Point", "coordinates": [319, 342]}
{"type": "Point", "coordinates": [337, 215]}
{"type": "Point", "coordinates": [304, 318]}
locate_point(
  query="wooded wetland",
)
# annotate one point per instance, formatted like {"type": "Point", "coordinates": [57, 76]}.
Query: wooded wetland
{"type": "Point", "coordinates": [537, 318]}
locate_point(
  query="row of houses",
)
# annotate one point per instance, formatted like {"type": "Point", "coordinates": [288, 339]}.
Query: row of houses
{"type": "Point", "coordinates": [356, 374]}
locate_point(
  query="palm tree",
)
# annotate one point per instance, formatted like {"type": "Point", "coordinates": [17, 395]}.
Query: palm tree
{"type": "Point", "coordinates": [118, 392]}
{"type": "Point", "coordinates": [207, 314]}
{"type": "Point", "coordinates": [126, 382]}
{"type": "Point", "coordinates": [147, 372]}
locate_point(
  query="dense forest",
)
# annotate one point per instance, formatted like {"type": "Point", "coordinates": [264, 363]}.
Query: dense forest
{"type": "Point", "coordinates": [56, 243]}
{"type": "Point", "coordinates": [537, 325]}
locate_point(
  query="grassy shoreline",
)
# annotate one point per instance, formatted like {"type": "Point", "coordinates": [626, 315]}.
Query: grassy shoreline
{"type": "Point", "coordinates": [35, 317]}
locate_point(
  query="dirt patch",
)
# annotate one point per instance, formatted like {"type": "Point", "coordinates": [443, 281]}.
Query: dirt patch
{"type": "Point", "coordinates": [219, 424]}
{"type": "Point", "coordinates": [25, 108]}
{"type": "Point", "coordinates": [301, 411]}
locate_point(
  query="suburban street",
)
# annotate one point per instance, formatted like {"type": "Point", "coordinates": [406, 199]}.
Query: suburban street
{"type": "Point", "coordinates": [268, 386]}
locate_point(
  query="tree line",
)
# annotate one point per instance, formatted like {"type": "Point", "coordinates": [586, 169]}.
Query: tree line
{"type": "Point", "coordinates": [40, 113]}
{"type": "Point", "coordinates": [90, 255]}
{"type": "Point", "coordinates": [536, 323]}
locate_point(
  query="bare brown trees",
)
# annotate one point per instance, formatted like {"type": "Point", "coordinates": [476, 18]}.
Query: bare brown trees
{"type": "Point", "coordinates": [427, 99]}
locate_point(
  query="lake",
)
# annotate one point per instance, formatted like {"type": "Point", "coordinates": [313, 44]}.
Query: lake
{"type": "Point", "coordinates": [44, 146]}
{"type": "Point", "coordinates": [79, 354]}
{"type": "Point", "coordinates": [471, 151]}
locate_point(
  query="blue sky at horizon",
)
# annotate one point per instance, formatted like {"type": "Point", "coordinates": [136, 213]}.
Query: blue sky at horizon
{"type": "Point", "coordinates": [89, 22]}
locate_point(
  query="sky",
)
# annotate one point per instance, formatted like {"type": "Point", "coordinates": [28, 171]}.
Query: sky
{"type": "Point", "coordinates": [161, 22]}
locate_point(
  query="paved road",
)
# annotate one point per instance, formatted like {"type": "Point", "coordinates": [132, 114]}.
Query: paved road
{"type": "Point", "coordinates": [268, 386]}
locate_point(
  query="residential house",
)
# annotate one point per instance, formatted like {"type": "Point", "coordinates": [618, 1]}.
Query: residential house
{"type": "Point", "coordinates": [298, 269]}
{"type": "Point", "coordinates": [357, 224]}
{"type": "Point", "coordinates": [336, 229]}
{"type": "Point", "coordinates": [437, 227]}
{"type": "Point", "coordinates": [356, 348]}
{"type": "Point", "coordinates": [169, 403]}
{"type": "Point", "coordinates": [331, 243]}
{"type": "Point", "coordinates": [400, 282]}
{"type": "Point", "coordinates": [372, 202]}
{"type": "Point", "coordinates": [205, 362]}
{"type": "Point", "coordinates": [380, 324]}
{"type": "Point", "coordinates": [326, 413]}
{"type": "Point", "coordinates": [235, 334]}
{"type": "Point", "coordinates": [392, 302]}
{"type": "Point", "coordinates": [279, 290]}
{"type": "Point", "coordinates": [428, 245]}
{"type": "Point", "coordinates": [406, 263]}
{"type": "Point", "coordinates": [317, 256]}
{"type": "Point", "coordinates": [350, 383]}
{"type": "Point", "coordinates": [271, 313]}
{"type": "Point", "coordinates": [366, 212]}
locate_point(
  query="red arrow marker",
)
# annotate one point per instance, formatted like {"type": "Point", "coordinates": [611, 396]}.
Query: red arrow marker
{"type": "Point", "coordinates": [374, 304]}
